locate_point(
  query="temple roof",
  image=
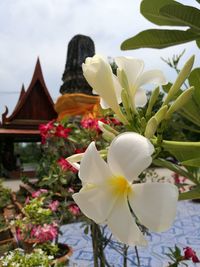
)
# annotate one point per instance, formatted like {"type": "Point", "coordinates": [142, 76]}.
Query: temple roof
{"type": "Point", "coordinates": [34, 106]}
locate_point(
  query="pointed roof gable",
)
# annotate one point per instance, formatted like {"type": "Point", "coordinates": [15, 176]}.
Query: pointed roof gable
{"type": "Point", "coordinates": [35, 106]}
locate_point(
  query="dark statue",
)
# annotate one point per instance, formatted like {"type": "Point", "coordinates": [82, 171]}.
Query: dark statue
{"type": "Point", "coordinates": [79, 48]}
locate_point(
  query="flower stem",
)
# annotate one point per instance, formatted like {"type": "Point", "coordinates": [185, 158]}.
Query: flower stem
{"type": "Point", "coordinates": [125, 249]}
{"type": "Point", "coordinates": [137, 256]}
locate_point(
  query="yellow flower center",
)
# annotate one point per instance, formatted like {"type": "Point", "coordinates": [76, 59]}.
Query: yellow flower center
{"type": "Point", "coordinates": [120, 185]}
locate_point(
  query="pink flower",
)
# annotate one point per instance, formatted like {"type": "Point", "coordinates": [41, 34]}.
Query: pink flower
{"type": "Point", "coordinates": [65, 165]}
{"type": "Point", "coordinates": [89, 123]}
{"type": "Point", "coordinates": [18, 233]}
{"type": "Point", "coordinates": [54, 205]}
{"type": "Point", "coordinates": [74, 209]}
{"type": "Point", "coordinates": [27, 200]}
{"type": "Point", "coordinates": [45, 233]}
{"type": "Point", "coordinates": [62, 131]}
{"type": "Point", "coordinates": [71, 190]}
{"type": "Point", "coordinates": [39, 192]}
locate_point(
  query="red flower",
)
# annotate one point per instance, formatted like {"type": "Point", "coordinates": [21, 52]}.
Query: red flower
{"type": "Point", "coordinates": [89, 123]}
{"type": "Point", "coordinates": [45, 129]}
{"type": "Point", "coordinates": [189, 253]}
{"type": "Point", "coordinates": [62, 131]}
{"type": "Point", "coordinates": [115, 121]}
{"type": "Point", "coordinates": [65, 165]}
{"type": "Point", "coordinates": [79, 150]}
{"type": "Point", "coordinates": [195, 259]}
{"type": "Point", "coordinates": [176, 177]}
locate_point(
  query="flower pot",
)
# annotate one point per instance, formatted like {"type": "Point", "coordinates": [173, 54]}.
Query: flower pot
{"type": "Point", "coordinates": [28, 244]}
{"type": "Point", "coordinates": [63, 255]}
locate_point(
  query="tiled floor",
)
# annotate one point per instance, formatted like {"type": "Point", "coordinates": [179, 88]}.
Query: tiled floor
{"type": "Point", "coordinates": [185, 232]}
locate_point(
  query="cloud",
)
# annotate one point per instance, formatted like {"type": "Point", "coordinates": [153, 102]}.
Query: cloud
{"type": "Point", "coordinates": [33, 28]}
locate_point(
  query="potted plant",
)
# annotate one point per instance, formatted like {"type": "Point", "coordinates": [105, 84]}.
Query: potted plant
{"type": "Point", "coordinates": [18, 257]}
{"type": "Point", "coordinates": [38, 226]}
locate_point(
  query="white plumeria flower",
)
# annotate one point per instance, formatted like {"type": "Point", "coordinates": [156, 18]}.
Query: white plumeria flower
{"type": "Point", "coordinates": [133, 69]}
{"type": "Point", "coordinates": [108, 190]}
{"type": "Point", "coordinates": [98, 74]}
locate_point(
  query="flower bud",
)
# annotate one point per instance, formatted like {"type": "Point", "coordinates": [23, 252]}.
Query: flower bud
{"type": "Point", "coordinates": [151, 128]}
{"type": "Point", "coordinates": [180, 101]}
{"type": "Point", "coordinates": [182, 76]}
{"type": "Point", "coordinates": [152, 100]}
{"type": "Point", "coordinates": [160, 114]}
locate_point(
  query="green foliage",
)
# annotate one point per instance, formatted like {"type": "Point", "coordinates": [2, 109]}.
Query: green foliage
{"type": "Point", "coordinates": [49, 248]}
{"type": "Point", "coordinates": [194, 80]}
{"type": "Point", "coordinates": [191, 194]}
{"type": "Point", "coordinates": [156, 38]}
{"type": "Point", "coordinates": [166, 13]}
{"type": "Point", "coordinates": [29, 152]}
{"type": "Point", "coordinates": [151, 11]}
{"type": "Point", "coordinates": [18, 258]}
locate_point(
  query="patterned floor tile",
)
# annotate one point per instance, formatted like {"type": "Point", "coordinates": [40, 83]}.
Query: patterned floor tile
{"type": "Point", "coordinates": [184, 232]}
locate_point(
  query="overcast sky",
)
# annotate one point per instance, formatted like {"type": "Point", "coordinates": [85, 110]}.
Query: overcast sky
{"type": "Point", "coordinates": [32, 28]}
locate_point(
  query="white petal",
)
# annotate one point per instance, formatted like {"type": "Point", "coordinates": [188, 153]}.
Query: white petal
{"type": "Point", "coordinates": [98, 74]}
{"type": "Point", "coordinates": [153, 77]}
{"type": "Point", "coordinates": [131, 66]}
{"type": "Point", "coordinates": [140, 98]}
{"type": "Point", "coordinates": [123, 226]}
{"type": "Point", "coordinates": [93, 169]}
{"type": "Point", "coordinates": [103, 104]}
{"type": "Point", "coordinates": [118, 88]}
{"type": "Point", "coordinates": [154, 204]}
{"type": "Point", "coordinates": [95, 202]}
{"type": "Point", "coordinates": [129, 154]}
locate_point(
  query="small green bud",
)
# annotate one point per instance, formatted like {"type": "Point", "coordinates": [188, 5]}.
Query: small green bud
{"type": "Point", "coordinates": [180, 102]}
{"type": "Point", "coordinates": [123, 79]}
{"type": "Point", "coordinates": [152, 101]}
{"type": "Point", "coordinates": [160, 114]}
{"type": "Point", "coordinates": [107, 128]}
{"type": "Point", "coordinates": [182, 76]}
{"type": "Point", "coordinates": [126, 104]}
{"type": "Point", "coordinates": [151, 128]}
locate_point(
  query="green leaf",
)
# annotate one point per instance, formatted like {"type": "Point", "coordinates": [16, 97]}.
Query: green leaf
{"type": "Point", "coordinates": [173, 167]}
{"type": "Point", "coordinates": [150, 10]}
{"type": "Point", "coordinates": [192, 194]}
{"type": "Point", "coordinates": [155, 38]}
{"type": "Point", "coordinates": [198, 43]}
{"type": "Point", "coordinates": [186, 15]}
{"type": "Point", "coordinates": [192, 162]}
{"type": "Point", "coordinates": [198, 1]}
{"type": "Point", "coordinates": [194, 80]}
{"type": "Point", "coordinates": [182, 150]}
